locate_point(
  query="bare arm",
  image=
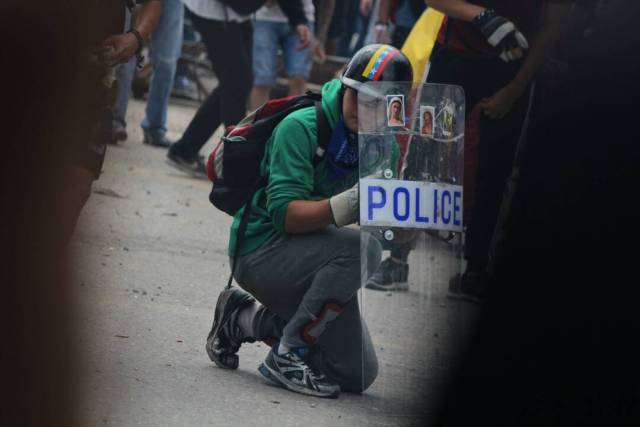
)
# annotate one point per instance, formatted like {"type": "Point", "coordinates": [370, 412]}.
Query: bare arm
{"type": "Point", "coordinates": [147, 17]}
{"type": "Point", "coordinates": [304, 216]}
{"type": "Point", "coordinates": [457, 9]}
{"type": "Point", "coordinates": [119, 48]}
{"type": "Point", "coordinates": [554, 15]}
{"type": "Point", "coordinates": [325, 13]}
{"type": "Point", "coordinates": [383, 11]}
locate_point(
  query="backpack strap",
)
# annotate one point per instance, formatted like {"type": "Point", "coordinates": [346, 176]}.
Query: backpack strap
{"type": "Point", "coordinates": [324, 133]}
{"type": "Point", "coordinates": [242, 227]}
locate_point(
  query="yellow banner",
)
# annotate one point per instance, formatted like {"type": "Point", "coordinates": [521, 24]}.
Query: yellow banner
{"type": "Point", "coordinates": [420, 41]}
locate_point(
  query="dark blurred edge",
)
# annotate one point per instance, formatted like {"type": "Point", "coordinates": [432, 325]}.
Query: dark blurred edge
{"type": "Point", "coordinates": [42, 67]}
{"type": "Point", "coordinates": [556, 344]}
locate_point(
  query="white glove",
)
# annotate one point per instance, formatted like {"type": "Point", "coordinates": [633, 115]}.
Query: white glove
{"type": "Point", "coordinates": [344, 207]}
{"type": "Point", "coordinates": [501, 34]}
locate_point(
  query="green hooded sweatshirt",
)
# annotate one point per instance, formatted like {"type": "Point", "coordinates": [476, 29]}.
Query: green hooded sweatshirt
{"type": "Point", "coordinates": [288, 162]}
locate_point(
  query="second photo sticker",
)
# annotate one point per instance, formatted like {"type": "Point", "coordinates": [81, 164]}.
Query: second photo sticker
{"type": "Point", "coordinates": [427, 113]}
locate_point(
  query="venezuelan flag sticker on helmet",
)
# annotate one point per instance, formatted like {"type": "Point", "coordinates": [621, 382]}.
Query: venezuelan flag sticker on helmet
{"type": "Point", "coordinates": [375, 63]}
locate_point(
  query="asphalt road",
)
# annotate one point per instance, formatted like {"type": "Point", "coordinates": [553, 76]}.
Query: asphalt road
{"type": "Point", "coordinates": [150, 262]}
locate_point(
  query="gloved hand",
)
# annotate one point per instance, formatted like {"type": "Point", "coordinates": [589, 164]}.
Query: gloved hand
{"type": "Point", "coordinates": [501, 34]}
{"type": "Point", "coordinates": [344, 207]}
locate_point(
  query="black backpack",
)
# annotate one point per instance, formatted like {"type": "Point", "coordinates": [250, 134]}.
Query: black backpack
{"type": "Point", "coordinates": [234, 165]}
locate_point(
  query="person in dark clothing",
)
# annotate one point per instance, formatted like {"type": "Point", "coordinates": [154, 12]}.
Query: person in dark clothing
{"type": "Point", "coordinates": [554, 342]}
{"type": "Point", "coordinates": [403, 14]}
{"type": "Point", "coordinates": [228, 38]}
{"type": "Point", "coordinates": [483, 46]}
{"type": "Point", "coordinates": [109, 44]}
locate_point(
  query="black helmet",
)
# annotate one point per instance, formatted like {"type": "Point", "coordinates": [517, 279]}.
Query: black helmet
{"type": "Point", "coordinates": [376, 63]}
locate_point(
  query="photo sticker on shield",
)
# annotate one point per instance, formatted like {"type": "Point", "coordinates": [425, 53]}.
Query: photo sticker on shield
{"type": "Point", "coordinates": [395, 110]}
{"type": "Point", "coordinates": [447, 120]}
{"type": "Point", "coordinates": [427, 114]}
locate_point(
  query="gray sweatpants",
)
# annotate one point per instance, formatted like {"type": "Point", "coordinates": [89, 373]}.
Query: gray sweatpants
{"type": "Point", "coordinates": [307, 284]}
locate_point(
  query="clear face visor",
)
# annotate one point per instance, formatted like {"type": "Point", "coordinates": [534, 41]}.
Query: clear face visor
{"type": "Point", "coordinates": [411, 211]}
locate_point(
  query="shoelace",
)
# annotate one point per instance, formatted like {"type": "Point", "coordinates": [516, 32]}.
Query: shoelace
{"type": "Point", "coordinates": [305, 368]}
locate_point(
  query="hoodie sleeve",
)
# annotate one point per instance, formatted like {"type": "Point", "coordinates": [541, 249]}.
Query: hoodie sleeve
{"type": "Point", "coordinates": [291, 169]}
{"type": "Point", "coordinates": [294, 11]}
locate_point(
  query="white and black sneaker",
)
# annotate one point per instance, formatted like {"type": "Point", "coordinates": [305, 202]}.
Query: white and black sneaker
{"type": "Point", "coordinates": [289, 370]}
{"type": "Point", "coordinates": [225, 337]}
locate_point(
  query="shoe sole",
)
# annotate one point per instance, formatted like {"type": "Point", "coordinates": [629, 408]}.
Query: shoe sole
{"type": "Point", "coordinates": [223, 360]}
{"type": "Point", "coordinates": [458, 296]}
{"type": "Point", "coordinates": [186, 169]}
{"type": "Point", "coordinates": [155, 145]}
{"type": "Point", "coordinates": [274, 378]}
{"type": "Point", "coordinates": [395, 286]}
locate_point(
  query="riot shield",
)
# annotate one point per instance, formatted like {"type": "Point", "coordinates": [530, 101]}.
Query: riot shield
{"type": "Point", "coordinates": [411, 142]}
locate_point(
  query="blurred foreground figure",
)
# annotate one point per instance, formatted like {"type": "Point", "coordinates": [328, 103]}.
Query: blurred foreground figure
{"type": "Point", "coordinates": [59, 78]}
{"type": "Point", "coordinates": [555, 345]}
{"type": "Point", "coordinates": [109, 45]}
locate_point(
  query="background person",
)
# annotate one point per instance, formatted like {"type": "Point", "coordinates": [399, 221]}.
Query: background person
{"type": "Point", "coordinates": [483, 46]}
{"type": "Point", "coordinates": [228, 38]}
{"type": "Point", "coordinates": [166, 44]}
{"type": "Point", "coordinates": [98, 97]}
{"type": "Point", "coordinates": [272, 31]}
{"type": "Point", "coordinates": [402, 15]}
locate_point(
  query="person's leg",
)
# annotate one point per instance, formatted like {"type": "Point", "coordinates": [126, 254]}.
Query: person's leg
{"type": "Point", "coordinates": [166, 42]}
{"type": "Point", "coordinates": [124, 77]}
{"type": "Point", "coordinates": [498, 140]}
{"type": "Point", "coordinates": [265, 53]}
{"type": "Point", "coordinates": [315, 293]}
{"type": "Point", "coordinates": [229, 49]}
{"type": "Point", "coordinates": [394, 270]}
{"type": "Point", "coordinates": [297, 63]}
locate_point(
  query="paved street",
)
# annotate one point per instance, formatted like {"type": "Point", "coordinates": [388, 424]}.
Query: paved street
{"type": "Point", "coordinates": [151, 260]}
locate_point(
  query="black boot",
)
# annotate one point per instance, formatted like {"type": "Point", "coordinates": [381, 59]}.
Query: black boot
{"type": "Point", "coordinates": [225, 337]}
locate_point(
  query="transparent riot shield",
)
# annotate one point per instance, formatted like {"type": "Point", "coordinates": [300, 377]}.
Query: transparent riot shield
{"type": "Point", "coordinates": [411, 142]}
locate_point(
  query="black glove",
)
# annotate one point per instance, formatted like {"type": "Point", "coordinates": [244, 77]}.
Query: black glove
{"type": "Point", "coordinates": [501, 34]}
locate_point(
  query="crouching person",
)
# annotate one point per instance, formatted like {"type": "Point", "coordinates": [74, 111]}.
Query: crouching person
{"type": "Point", "coordinates": [299, 266]}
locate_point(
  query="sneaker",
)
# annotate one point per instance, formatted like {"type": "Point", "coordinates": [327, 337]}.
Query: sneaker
{"type": "Point", "coordinates": [225, 337]}
{"type": "Point", "coordinates": [156, 140]}
{"type": "Point", "coordinates": [390, 276]}
{"type": "Point", "coordinates": [119, 133]}
{"type": "Point", "coordinates": [290, 371]}
{"type": "Point", "coordinates": [184, 88]}
{"type": "Point", "coordinates": [471, 286]}
{"type": "Point", "coordinates": [191, 165]}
